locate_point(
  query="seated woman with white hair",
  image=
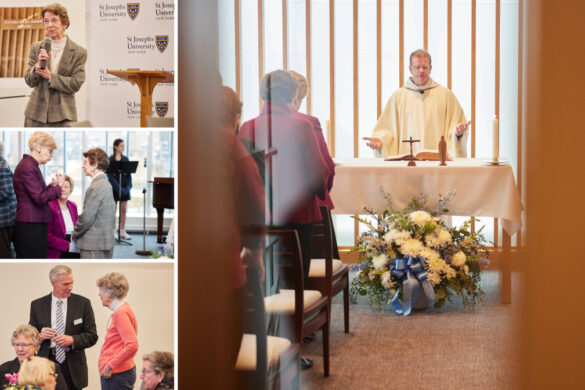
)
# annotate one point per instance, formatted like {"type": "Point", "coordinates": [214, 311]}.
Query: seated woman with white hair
{"type": "Point", "coordinates": [26, 342]}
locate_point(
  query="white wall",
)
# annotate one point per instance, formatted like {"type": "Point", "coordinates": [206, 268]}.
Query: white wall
{"type": "Point", "coordinates": [13, 109]}
{"type": "Point", "coordinates": [151, 296]}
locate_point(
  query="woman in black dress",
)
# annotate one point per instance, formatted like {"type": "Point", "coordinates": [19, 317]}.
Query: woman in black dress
{"type": "Point", "coordinates": [125, 182]}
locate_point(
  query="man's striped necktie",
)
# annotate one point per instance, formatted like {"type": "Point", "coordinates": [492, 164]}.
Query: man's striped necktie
{"type": "Point", "coordinates": [60, 328]}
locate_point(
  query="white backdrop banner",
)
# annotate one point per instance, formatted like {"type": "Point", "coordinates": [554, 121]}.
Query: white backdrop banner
{"type": "Point", "coordinates": [127, 35]}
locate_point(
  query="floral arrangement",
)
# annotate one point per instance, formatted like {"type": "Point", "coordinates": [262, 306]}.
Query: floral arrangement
{"type": "Point", "coordinates": [12, 382]}
{"type": "Point", "coordinates": [168, 252]}
{"type": "Point", "coordinates": [412, 252]}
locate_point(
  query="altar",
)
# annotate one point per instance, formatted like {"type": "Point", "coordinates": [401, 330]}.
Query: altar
{"type": "Point", "coordinates": [482, 191]}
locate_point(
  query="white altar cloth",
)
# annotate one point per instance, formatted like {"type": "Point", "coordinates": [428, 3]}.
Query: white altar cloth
{"type": "Point", "coordinates": [483, 191]}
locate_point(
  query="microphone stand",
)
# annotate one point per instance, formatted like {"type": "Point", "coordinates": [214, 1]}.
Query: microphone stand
{"type": "Point", "coordinates": [143, 252]}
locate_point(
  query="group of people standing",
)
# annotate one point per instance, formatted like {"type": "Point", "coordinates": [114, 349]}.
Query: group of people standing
{"type": "Point", "coordinates": [40, 220]}
{"type": "Point", "coordinates": [50, 349]}
{"type": "Point", "coordinates": [299, 174]}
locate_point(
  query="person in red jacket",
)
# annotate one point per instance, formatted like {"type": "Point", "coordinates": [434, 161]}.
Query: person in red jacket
{"type": "Point", "coordinates": [116, 362]}
{"type": "Point", "coordinates": [298, 174]}
{"type": "Point", "coordinates": [302, 91]}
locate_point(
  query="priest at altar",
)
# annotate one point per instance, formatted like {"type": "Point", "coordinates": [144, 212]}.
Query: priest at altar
{"type": "Point", "coordinates": [421, 109]}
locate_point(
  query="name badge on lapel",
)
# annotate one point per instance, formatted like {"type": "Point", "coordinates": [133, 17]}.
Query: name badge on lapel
{"type": "Point", "coordinates": [78, 321]}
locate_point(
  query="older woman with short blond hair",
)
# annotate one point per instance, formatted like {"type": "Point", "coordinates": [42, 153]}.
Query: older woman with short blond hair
{"type": "Point", "coordinates": [26, 342]}
{"type": "Point", "coordinates": [33, 213]}
{"type": "Point", "coordinates": [116, 362]}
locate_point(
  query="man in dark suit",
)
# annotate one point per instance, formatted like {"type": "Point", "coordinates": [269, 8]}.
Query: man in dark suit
{"type": "Point", "coordinates": [67, 327]}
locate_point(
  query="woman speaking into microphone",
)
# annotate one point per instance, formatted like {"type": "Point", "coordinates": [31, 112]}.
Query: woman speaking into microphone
{"type": "Point", "coordinates": [56, 71]}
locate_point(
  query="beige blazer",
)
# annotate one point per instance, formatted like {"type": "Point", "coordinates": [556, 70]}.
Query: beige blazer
{"type": "Point", "coordinates": [54, 100]}
{"type": "Point", "coordinates": [93, 229]}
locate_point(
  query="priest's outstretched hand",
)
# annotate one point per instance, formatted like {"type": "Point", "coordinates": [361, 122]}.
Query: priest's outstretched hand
{"type": "Point", "coordinates": [461, 128]}
{"type": "Point", "coordinates": [374, 143]}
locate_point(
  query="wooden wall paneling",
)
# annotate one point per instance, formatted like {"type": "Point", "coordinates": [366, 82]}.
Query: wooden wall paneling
{"type": "Point", "coordinates": [332, 73]}
{"type": "Point", "coordinates": [355, 81]}
{"type": "Point", "coordinates": [284, 34]}
{"type": "Point", "coordinates": [260, 44]}
{"type": "Point", "coordinates": [426, 24]}
{"type": "Point", "coordinates": [473, 54]}
{"type": "Point", "coordinates": [308, 52]}
{"type": "Point", "coordinates": [238, 45]}
{"type": "Point", "coordinates": [449, 43]}
{"type": "Point", "coordinates": [519, 154]}
{"type": "Point", "coordinates": [378, 57]}
{"type": "Point", "coordinates": [401, 42]}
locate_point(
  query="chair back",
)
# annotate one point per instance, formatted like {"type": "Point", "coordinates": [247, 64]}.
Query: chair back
{"type": "Point", "coordinates": [322, 246]}
{"type": "Point", "coordinates": [287, 262]}
{"type": "Point", "coordinates": [254, 323]}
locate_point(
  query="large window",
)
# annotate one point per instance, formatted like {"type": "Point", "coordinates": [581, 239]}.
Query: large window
{"type": "Point", "coordinates": [154, 147]}
{"type": "Point", "coordinates": [352, 54]}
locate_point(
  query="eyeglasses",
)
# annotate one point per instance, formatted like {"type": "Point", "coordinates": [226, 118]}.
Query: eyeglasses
{"type": "Point", "coordinates": [144, 371]}
{"type": "Point", "coordinates": [22, 345]}
{"type": "Point", "coordinates": [54, 375]}
{"type": "Point", "coordinates": [52, 20]}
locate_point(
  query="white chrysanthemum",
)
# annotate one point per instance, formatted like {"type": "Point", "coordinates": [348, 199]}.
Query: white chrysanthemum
{"type": "Point", "coordinates": [436, 265]}
{"type": "Point", "coordinates": [459, 259]}
{"type": "Point", "coordinates": [372, 275]}
{"type": "Point", "coordinates": [438, 238]}
{"type": "Point", "coordinates": [400, 237]}
{"type": "Point", "coordinates": [420, 217]}
{"type": "Point", "coordinates": [389, 237]}
{"type": "Point", "coordinates": [434, 278]}
{"type": "Point", "coordinates": [385, 280]}
{"type": "Point", "coordinates": [429, 254]}
{"type": "Point", "coordinates": [379, 261]}
{"type": "Point", "coordinates": [411, 247]}
{"type": "Point", "coordinates": [450, 272]}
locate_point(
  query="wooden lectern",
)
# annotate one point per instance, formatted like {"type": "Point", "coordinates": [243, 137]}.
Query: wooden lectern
{"type": "Point", "coordinates": [163, 198]}
{"type": "Point", "coordinates": [146, 81]}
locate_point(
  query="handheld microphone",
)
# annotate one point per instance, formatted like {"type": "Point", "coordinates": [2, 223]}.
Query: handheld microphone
{"type": "Point", "coordinates": [47, 46]}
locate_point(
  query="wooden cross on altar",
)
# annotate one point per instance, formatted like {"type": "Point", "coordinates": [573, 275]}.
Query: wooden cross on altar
{"type": "Point", "coordinates": [411, 162]}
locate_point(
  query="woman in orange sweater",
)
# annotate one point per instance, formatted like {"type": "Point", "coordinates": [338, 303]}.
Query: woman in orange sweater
{"type": "Point", "coordinates": [116, 361]}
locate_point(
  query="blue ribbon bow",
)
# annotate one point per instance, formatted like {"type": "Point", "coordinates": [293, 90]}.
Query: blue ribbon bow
{"type": "Point", "coordinates": [414, 277]}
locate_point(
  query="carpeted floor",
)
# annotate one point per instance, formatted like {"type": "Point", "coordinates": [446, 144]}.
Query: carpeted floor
{"type": "Point", "coordinates": [138, 241]}
{"type": "Point", "coordinates": [431, 349]}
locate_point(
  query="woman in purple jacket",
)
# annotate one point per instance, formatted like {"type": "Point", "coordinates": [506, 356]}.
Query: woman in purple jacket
{"type": "Point", "coordinates": [33, 196]}
{"type": "Point", "coordinates": [64, 218]}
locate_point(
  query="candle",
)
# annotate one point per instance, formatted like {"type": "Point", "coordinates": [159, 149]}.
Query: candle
{"type": "Point", "coordinates": [496, 140]}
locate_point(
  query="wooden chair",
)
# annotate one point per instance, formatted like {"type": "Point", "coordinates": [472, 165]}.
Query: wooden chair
{"type": "Point", "coordinates": [264, 361]}
{"type": "Point", "coordinates": [305, 310]}
{"type": "Point", "coordinates": [328, 274]}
